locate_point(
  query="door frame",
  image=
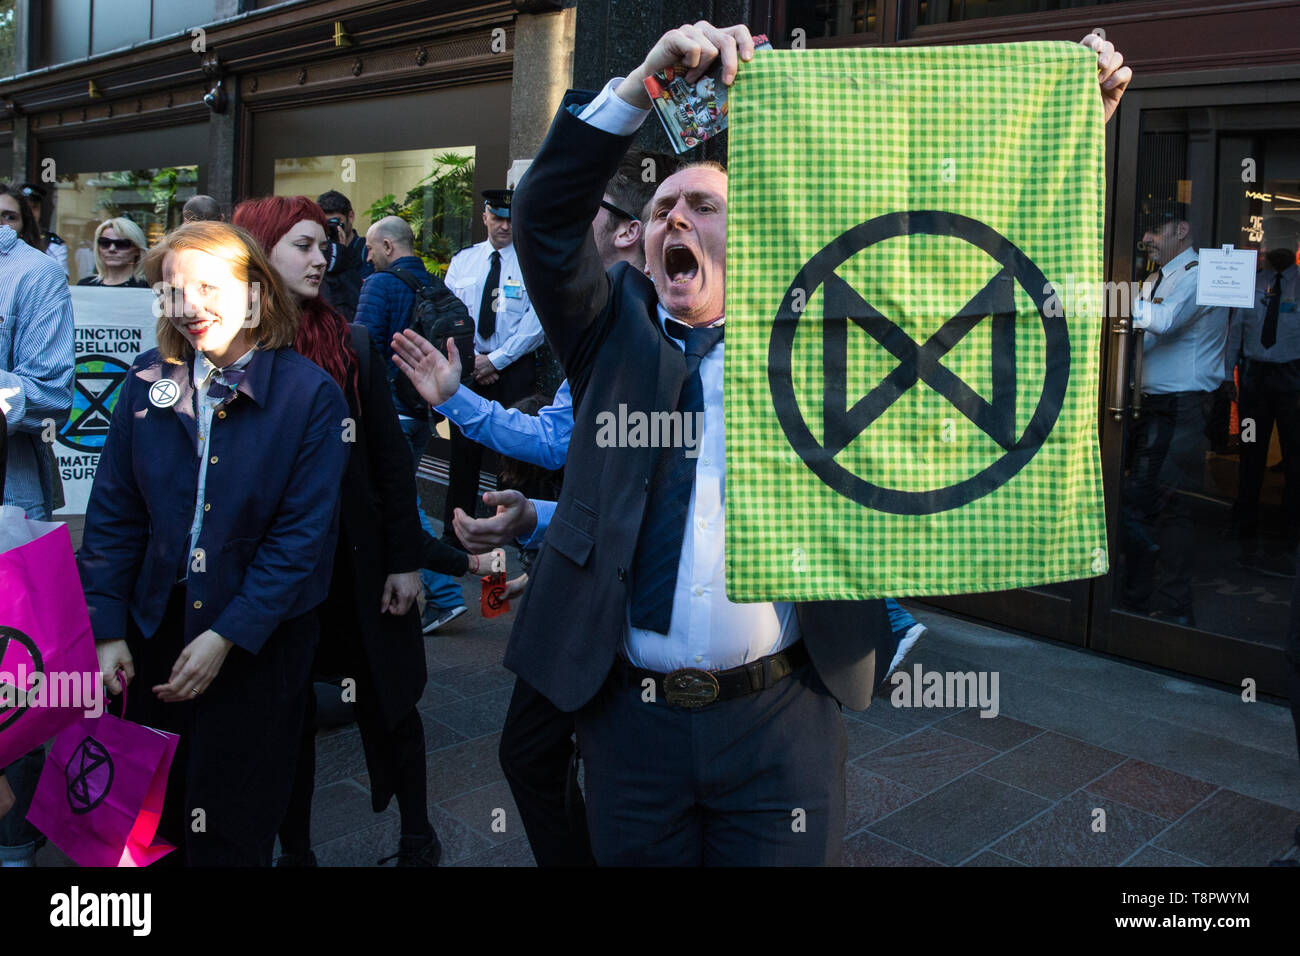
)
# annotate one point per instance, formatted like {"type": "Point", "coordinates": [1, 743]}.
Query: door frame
{"type": "Point", "coordinates": [1203, 654]}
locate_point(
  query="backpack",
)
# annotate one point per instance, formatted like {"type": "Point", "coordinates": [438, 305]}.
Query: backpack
{"type": "Point", "coordinates": [437, 315]}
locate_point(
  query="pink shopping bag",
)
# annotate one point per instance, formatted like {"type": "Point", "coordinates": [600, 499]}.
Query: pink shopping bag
{"type": "Point", "coordinates": [49, 672]}
{"type": "Point", "coordinates": [101, 793]}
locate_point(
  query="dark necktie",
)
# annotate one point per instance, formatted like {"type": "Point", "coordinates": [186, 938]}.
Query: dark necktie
{"type": "Point", "coordinates": [659, 546]}
{"type": "Point", "coordinates": [487, 315]}
{"type": "Point", "coordinates": [1272, 299]}
{"type": "Point", "coordinates": [1160, 277]}
{"type": "Point", "coordinates": [224, 382]}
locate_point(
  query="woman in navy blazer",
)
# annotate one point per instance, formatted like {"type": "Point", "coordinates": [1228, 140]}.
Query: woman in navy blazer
{"type": "Point", "coordinates": [210, 537]}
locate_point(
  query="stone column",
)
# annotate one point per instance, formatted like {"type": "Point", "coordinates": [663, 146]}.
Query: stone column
{"type": "Point", "coordinates": [543, 70]}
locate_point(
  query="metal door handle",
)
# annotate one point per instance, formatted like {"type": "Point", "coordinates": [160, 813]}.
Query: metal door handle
{"type": "Point", "coordinates": [1119, 328]}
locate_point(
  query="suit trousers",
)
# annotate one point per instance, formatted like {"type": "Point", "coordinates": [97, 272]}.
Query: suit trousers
{"type": "Point", "coordinates": [515, 382]}
{"type": "Point", "coordinates": [756, 780]}
{"type": "Point", "coordinates": [239, 740]}
{"type": "Point", "coordinates": [535, 753]}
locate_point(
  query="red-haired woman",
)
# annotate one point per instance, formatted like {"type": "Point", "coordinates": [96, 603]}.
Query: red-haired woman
{"type": "Point", "coordinates": [376, 580]}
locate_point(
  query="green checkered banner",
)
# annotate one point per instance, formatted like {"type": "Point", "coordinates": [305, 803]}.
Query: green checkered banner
{"type": "Point", "coordinates": [914, 264]}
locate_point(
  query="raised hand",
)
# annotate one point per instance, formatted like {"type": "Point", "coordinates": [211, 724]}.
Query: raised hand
{"type": "Point", "coordinates": [1112, 75]}
{"type": "Point", "coordinates": [695, 47]}
{"type": "Point", "coordinates": [434, 376]}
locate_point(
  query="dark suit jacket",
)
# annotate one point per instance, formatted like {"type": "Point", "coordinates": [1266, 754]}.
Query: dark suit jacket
{"type": "Point", "coordinates": [605, 330]}
{"type": "Point", "coordinates": [269, 537]}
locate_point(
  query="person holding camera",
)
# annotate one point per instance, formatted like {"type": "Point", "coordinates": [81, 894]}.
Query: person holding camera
{"type": "Point", "coordinates": [345, 255]}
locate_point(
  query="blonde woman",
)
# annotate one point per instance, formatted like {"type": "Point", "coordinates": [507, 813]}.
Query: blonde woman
{"type": "Point", "coordinates": [119, 253]}
{"type": "Point", "coordinates": [210, 538]}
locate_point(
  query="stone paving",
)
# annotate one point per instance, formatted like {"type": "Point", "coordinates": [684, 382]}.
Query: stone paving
{"type": "Point", "coordinates": [1187, 774]}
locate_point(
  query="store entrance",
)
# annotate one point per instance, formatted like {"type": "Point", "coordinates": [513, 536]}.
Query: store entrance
{"type": "Point", "coordinates": [1196, 422]}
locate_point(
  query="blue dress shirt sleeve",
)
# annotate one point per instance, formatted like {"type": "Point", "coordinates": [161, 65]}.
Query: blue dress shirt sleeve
{"type": "Point", "coordinates": [541, 439]}
{"type": "Point", "coordinates": [545, 509]}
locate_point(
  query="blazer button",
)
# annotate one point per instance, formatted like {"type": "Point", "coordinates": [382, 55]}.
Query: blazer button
{"type": "Point", "coordinates": [212, 460]}
{"type": "Point", "coordinates": [622, 574]}
{"type": "Point", "coordinates": [207, 507]}
{"type": "Point", "coordinates": [222, 413]}
{"type": "Point", "coordinates": [198, 605]}
{"type": "Point", "coordinates": [646, 485]}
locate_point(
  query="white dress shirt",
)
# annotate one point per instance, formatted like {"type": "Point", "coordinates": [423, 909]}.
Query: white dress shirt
{"type": "Point", "coordinates": [1184, 344]}
{"type": "Point", "coordinates": [1248, 324]}
{"type": "Point", "coordinates": [518, 332]}
{"type": "Point", "coordinates": [707, 630]}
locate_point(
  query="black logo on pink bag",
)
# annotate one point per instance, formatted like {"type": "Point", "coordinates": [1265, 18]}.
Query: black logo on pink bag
{"type": "Point", "coordinates": [89, 772]}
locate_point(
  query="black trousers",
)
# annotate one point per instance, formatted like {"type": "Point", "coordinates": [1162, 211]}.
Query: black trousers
{"type": "Point", "coordinates": [395, 756]}
{"type": "Point", "coordinates": [238, 741]}
{"type": "Point", "coordinates": [1270, 393]}
{"type": "Point", "coordinates": [756, 780]}
{"type": "Point", "coordinates": [515, 382]}
{"type": "Point", "coordinates": [535, 753]}
{"type": "Point", "coordinates": [1166, 456]}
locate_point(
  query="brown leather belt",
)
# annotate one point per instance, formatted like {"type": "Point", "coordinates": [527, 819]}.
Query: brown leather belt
{"type": "Point", "coordinates": [692, 687]}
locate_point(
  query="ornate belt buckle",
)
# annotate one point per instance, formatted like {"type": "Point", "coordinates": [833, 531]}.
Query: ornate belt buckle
{"type": "Point", "coordinates": [690, 687]}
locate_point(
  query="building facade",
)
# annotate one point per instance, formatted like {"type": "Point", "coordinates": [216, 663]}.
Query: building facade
{"type": "Point", "coordinates": [365, 96]}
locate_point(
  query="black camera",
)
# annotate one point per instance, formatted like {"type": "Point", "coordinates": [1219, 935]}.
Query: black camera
{"type": "Point", "coordinates": [334, 228]}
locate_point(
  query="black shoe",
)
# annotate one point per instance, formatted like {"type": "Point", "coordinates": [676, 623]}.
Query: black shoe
{"type": "Point", "coordinates": [297, 859]}
{"type": "Point", "coordinates": [423, 850]}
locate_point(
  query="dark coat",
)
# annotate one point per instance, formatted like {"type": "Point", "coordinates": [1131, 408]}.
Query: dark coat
{"type": "Point", "coordinates": [379, 535]}
{"type": "Point", "coordinates": [272, 483]}
{"type": "Point", "coordinates": [605, 330]}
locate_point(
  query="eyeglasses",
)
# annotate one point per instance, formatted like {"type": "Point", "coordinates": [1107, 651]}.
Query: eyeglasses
{"type": "Point", "coordinates": [621, 213]}
{"type": "Point", "coordinates": [121, 245]}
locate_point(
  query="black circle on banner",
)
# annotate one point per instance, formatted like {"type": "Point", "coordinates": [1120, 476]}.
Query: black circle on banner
{"type": "Point", "coordinates": [821, 267]}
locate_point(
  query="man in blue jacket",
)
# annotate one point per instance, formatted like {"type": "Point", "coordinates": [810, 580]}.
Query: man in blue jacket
{"type": "Point", "coordinates": [385, 309]}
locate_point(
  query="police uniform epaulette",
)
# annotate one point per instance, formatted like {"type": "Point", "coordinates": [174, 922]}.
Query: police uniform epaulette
{"type": "Point", "coordinates": [55, 238]}
{"type": "Point", "coordinates": [1191, 265]}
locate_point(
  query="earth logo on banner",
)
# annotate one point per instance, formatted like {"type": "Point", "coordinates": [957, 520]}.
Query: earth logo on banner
{"type": "Point", "coordinates": [99, 379]}
{"type": "Point", "coordinates": [918, 363]}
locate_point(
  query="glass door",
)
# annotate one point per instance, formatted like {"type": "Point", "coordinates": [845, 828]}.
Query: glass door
{"type": "Point", "coordinates": [1201, 418]}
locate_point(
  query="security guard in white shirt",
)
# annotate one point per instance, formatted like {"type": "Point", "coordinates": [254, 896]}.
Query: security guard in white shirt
{"type": "Point", "coordinates": [1182, 367]}
{"type": "Point", "coordinates": [487, 279]}
{"type": "Point", "coordinates": [1265, 344]}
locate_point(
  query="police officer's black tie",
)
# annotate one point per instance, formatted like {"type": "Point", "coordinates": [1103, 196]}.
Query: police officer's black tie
{"type": "Point", "coordinates": [1272, 299]}
{"type": "Point", "coordinates": [659, 546]}
{"type": "Point", "coordinates": [487, 313]}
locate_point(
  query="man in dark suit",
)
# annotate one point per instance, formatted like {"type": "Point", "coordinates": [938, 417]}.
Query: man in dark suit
{"type": "Point", "coordinates": [711, 730]}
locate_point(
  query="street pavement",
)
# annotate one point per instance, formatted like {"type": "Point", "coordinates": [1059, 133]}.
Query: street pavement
{"type": "Point", "coordinates": [1090, 761]}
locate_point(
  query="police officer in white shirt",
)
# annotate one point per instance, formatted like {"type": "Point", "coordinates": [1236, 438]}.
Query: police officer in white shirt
{"type": "Point", "coordinates": [1182, 367]}
{"type": "Point", "coordinates": [1265, 343]}
{"type": "Point", "coordinates": [487, 279]}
